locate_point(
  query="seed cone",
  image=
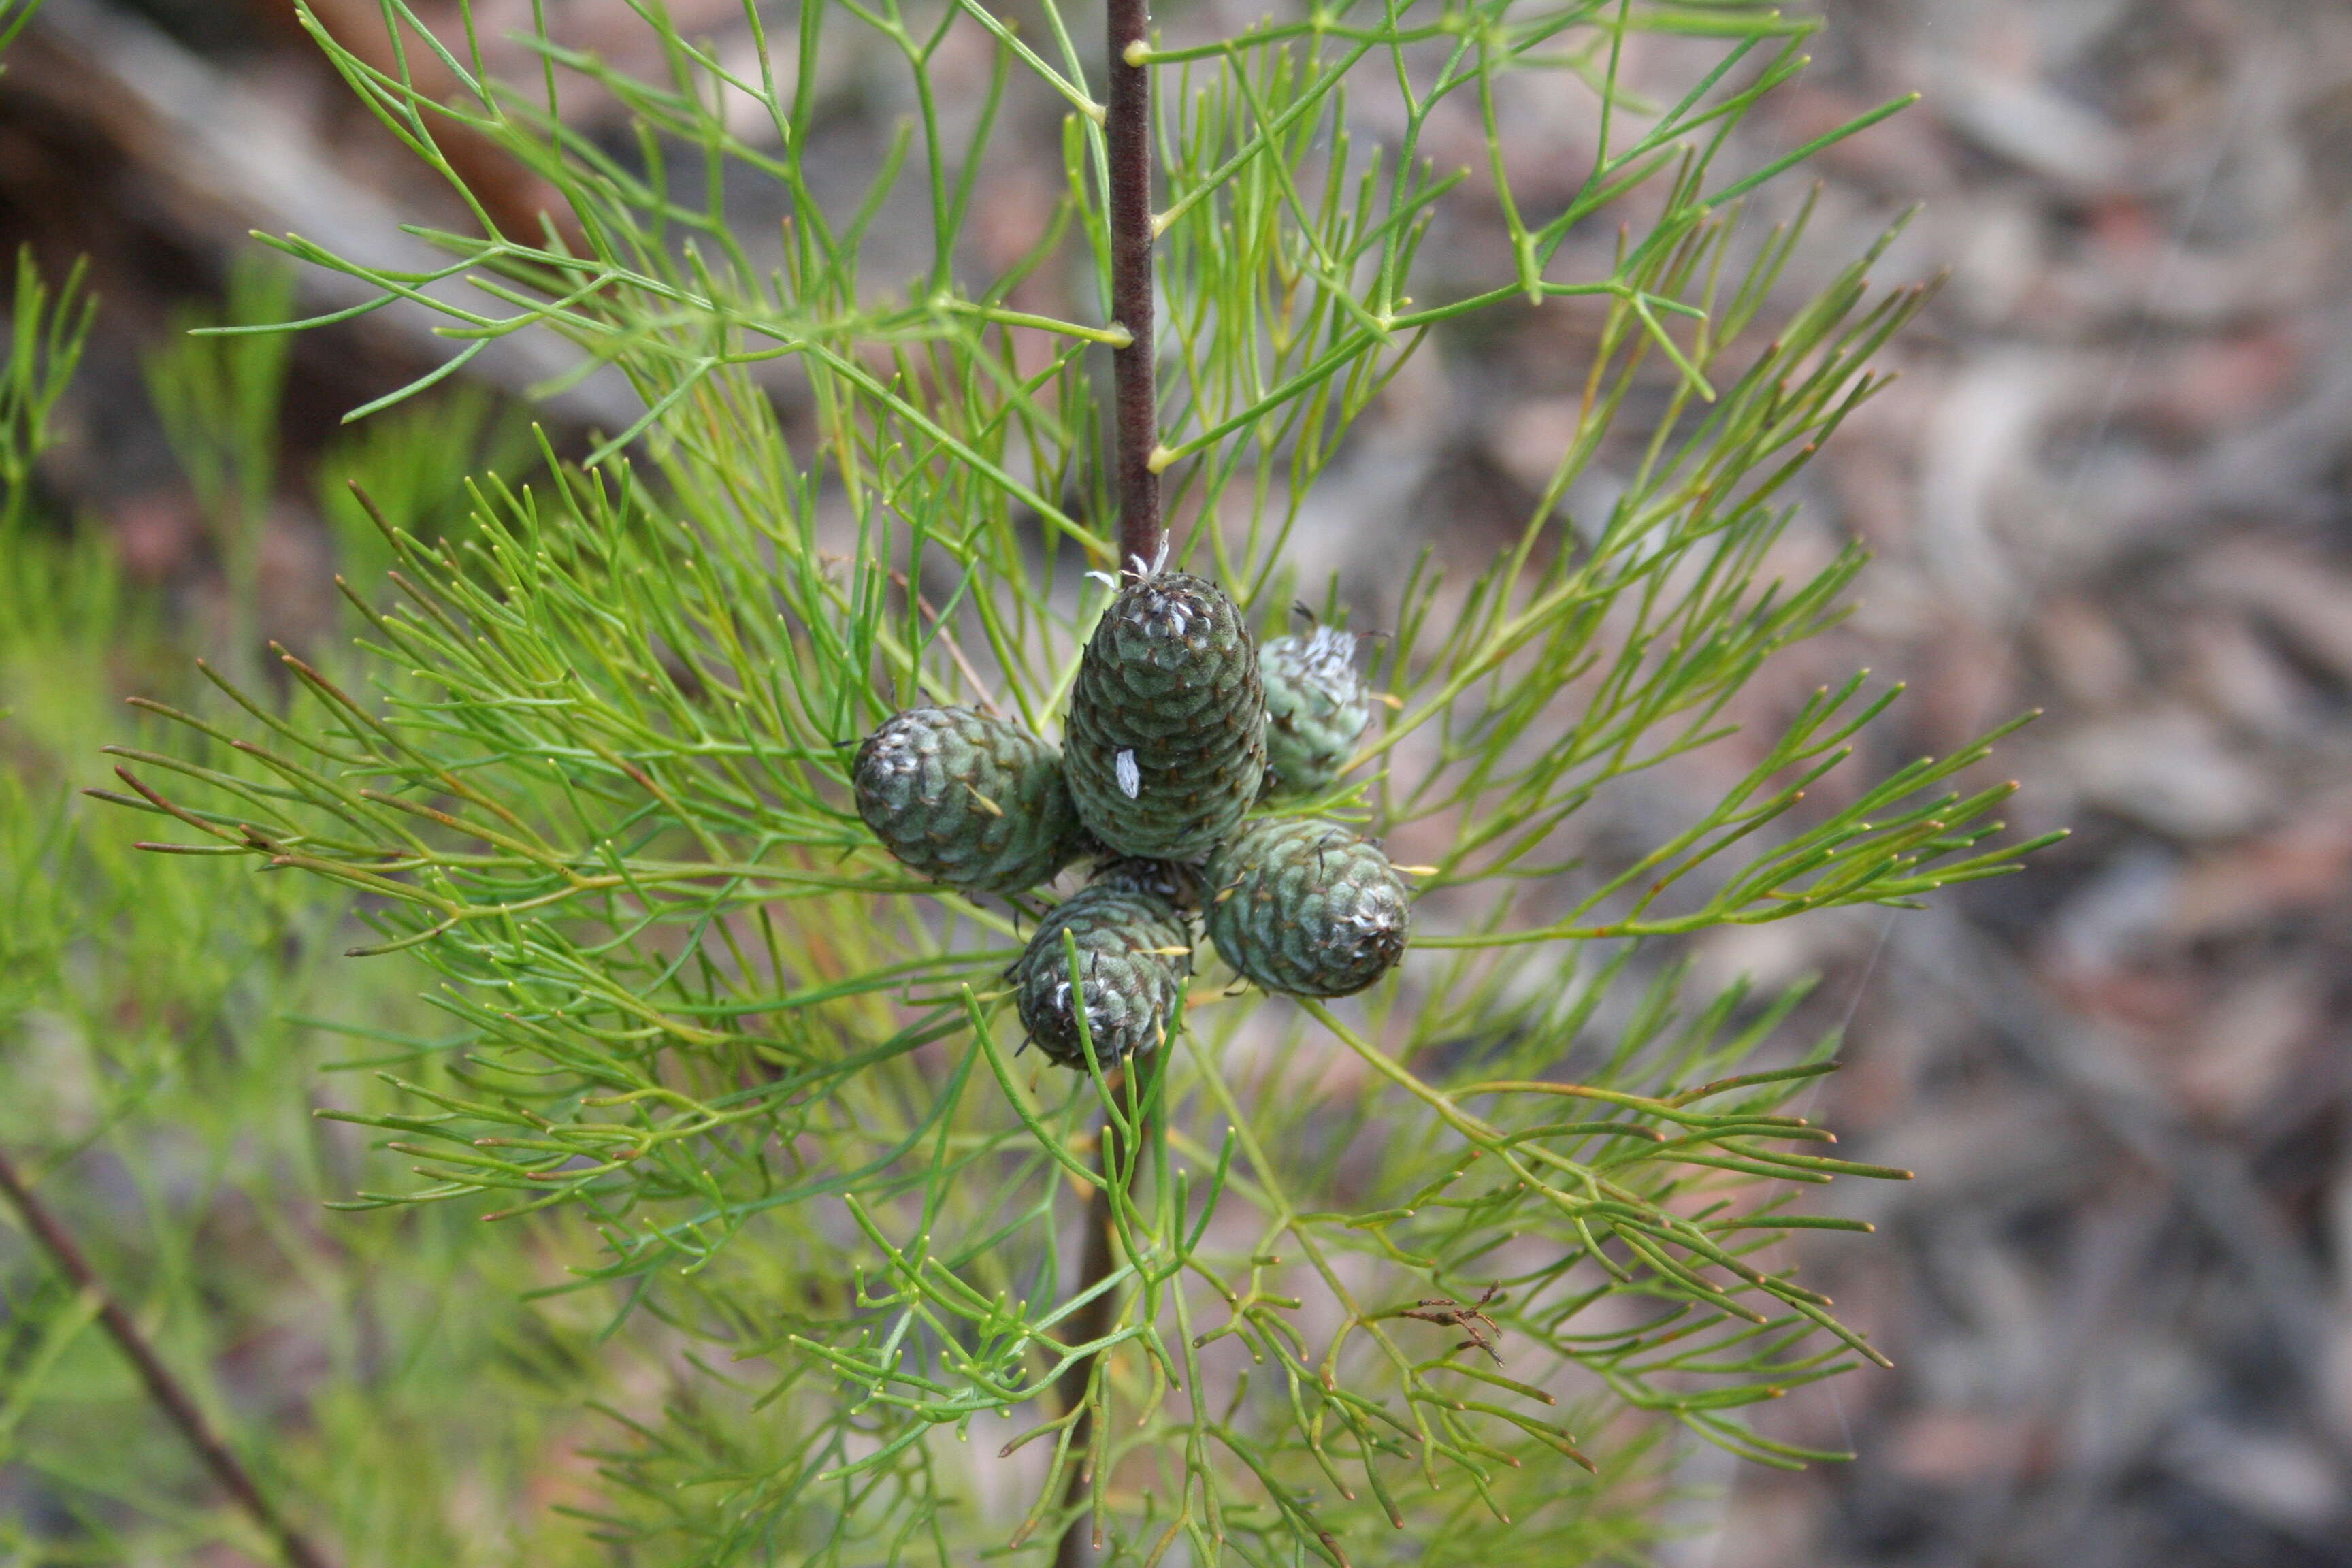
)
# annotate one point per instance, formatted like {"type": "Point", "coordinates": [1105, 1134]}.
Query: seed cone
{"type": "Point", "coordinates": [1316, 708]}
{"type": "Point", "coordinates": [1165, 746]}
{"type": "Point", "coordinates": [1134, 948]}
{"type": "Point", "coordinates": [967, 800]}
{"type": "Point", "coordinates": [1302, 905]}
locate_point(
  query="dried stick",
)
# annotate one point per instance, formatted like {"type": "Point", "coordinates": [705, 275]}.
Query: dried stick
{"type": "Point", "coordinates": [1128, 129]}
{"type": "Point", "coordinates": [162, 1386]}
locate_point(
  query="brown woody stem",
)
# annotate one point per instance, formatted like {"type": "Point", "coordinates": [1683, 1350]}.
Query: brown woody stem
{"type": "Point", "coordinates": [1100, 1314]}
{"type": "Point", "coordinates": [162, 1386]}
{"type": "Point", "coordinates": [1128, 129]}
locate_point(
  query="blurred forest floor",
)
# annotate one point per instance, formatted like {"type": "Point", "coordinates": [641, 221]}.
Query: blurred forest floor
{"type": "Point", "coordinates": [2114, 483]}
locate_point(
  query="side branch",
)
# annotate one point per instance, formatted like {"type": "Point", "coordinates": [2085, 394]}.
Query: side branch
{"type": "Point", "coordinates": [1127, 128]}
{"type": "Point", "coordinates": [162, 1386]}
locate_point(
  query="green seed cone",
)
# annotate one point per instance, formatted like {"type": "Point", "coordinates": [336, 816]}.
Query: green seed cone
{"type": "Point", "coordinates": [1165, 746]}
{"type": "Point", "coordinates": [1302, 905]}
{"type": "Point", "coordinates": [967, 800]}
{"type": "Point", "coordinates": [1316, 709]}
{"type": "Point", "coordinates": [1134, 948]}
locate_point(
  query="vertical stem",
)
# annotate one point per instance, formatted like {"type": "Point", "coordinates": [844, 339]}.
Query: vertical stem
{"type": "Point", "coordinates": [1128, 129]}
{"type": "Point", "coordinates": [162, 1386]}
{"type": "Point", "coordinates": [1097, 1316]}
{"type": "Point", "coordinates": [1092, 1323]}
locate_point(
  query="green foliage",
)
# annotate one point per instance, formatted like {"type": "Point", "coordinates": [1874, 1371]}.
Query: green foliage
{"type": "Point", "coordinates": [160, 1025]}
{"type": "Point", "coordinates": [156, 1027]}
{"type": "Point", "coordinates": [600, 787]}
{"type": "Point", "coordinates": [15, 16]}
{"type": "Point", "coordinates": [412, 464]}
{"type": "Point", "coordinates": [218, 398]}
{"type": "Point", "coordinates": [47, 332]}
{"type": "Point", "coordinates": [218, 395]}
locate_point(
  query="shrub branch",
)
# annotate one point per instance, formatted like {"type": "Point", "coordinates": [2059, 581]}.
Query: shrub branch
{"type": "Point", "coordinates": [165, 1389]}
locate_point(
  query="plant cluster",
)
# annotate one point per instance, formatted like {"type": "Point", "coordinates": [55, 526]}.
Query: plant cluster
{"type": "Point", "coordinates": [1210, 1312]}
{"type": "Point", "coordinates": [1171, 723]}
